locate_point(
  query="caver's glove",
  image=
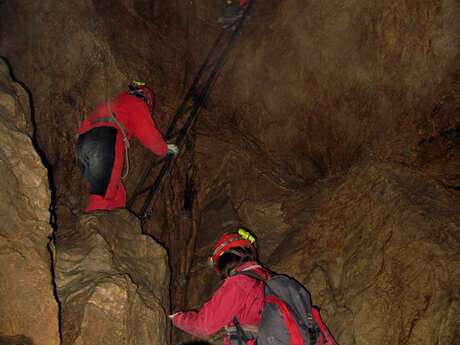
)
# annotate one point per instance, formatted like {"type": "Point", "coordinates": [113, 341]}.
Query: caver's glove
{"type": "Point", "coordinates": [173, 149]}
{"type": "Point", "coordinates": [173, 315]}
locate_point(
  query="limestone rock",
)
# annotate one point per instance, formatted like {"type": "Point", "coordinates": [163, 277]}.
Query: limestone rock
{"type": "Point", "coordinates": [335, 81]}
{"type": "Point", "coordinates": [378, 248]}
{"type": "Point", "coordinates": [28, 308]}
{"type": "Point", "coordinates": [311, 90]}
{"type": "Point", "coordinates": [14, 102]}
{"type": "Point", "coordinates": [112, 282]}
{"type": "Point", "coordinates": [381, 257]}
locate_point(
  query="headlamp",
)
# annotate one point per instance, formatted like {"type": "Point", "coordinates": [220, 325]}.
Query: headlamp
{"type": "Point", "coordinates": [228, 241]}
{"type": "Point", "coordinates": [135, 84]}
{"type": "Point", "coordinates": [246, 235]}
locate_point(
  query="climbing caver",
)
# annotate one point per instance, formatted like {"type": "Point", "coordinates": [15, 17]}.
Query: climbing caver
{"type": "Point", "coordinates": [102, 145]}
{"type": "Point", "coordinates": [239, 296]}
{"type": "Point", "coordinates": [254, 305]}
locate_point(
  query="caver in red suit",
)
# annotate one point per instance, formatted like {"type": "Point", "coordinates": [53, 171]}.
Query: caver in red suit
{"type": "Point", "coordinates": [103, 140]}
{"type": "Point", "coordinates": [239, 296]}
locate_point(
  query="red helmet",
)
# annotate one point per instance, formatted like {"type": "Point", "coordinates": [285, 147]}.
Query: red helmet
{"type": "Point", "coordinates": [242, 238]}
{"type": "Point", "coordinates": [139, 89]}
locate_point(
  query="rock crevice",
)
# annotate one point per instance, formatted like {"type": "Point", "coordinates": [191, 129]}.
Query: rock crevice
{"type": "Point", "coordinates": [29, 311]}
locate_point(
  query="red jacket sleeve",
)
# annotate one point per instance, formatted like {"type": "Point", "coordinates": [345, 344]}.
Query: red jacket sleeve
{"type": "Point", "coordinates": [215, 314]}
{"type": "Point", "coordinates": [146, 132]}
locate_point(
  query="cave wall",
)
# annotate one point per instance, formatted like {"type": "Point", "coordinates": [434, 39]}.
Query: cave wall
{"type": "Point", "coordinates": [381, 256]}
{"type": "Point", "coordinates": [315, 88]}
{"type": "Point", "coordinates": [28, 307]}
{"type": "Point", "coordinates": [112, 281]}
{"type": "Point", "coordinates": [313, 93]}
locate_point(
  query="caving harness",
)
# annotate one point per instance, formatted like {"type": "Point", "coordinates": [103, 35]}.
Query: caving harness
{"type": "Point", "coordinates": [138, 89]}
{"type": "Point", "coordinates": [113, 119]}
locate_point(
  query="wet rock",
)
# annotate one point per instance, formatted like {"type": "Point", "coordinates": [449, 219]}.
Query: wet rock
{"type": "Point", "coordinates": [28, 308]}
{"type": "Point", "coordinates": [112, 282]}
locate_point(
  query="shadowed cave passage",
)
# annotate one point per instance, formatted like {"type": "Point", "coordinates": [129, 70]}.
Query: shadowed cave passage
{"type": "Point", "coordinates": [332, 132]}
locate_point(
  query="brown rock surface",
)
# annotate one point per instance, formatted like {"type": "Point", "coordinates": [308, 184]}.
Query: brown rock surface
{"type": "Point", "coordinates": [28, 308]}
{"type": "Point", "coordinates": [381, 255]}
{"type": "Point", "coordinates": [319, 86]}
{"type": "Point", "coordinates": [379, 249]}
{"type": "Point", "coordinates": [313, 89]}
{"type": "Point", "coordinates": [112, 282]}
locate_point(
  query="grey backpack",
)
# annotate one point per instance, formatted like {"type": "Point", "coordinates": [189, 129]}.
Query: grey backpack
{"type": "Point", "coordinates": [287, 316]}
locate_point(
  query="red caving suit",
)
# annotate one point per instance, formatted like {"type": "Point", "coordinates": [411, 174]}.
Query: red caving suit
{"type": "Point", "coordinates": [239, 296]}
{"type": "Point", "coordinates": [133, 113]}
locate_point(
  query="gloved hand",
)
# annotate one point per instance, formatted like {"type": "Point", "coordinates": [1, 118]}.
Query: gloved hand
{"type": "Point", "coordinates": [172, 315]}
{"type": "Point", "coordinates": [173, 149]}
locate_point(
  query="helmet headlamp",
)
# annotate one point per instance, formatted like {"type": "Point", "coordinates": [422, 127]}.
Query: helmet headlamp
{"type": "Point", "coordinates": [241, 238]}
{"type": "Point", "coordinates": [136, 84]}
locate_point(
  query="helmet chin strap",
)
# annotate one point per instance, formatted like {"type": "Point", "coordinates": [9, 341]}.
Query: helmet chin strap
{"type": "Point", "coordinates": [237, 253]}
{"type": "Point", "coordinates": [139, 94]}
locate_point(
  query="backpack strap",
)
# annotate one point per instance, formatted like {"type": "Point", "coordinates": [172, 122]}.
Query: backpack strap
{"type": "Point", "coordinates": [314, 331]}
{"type": "Point", "coordinates": [248, 273]}
{"type": "Point", "coordinates": [243, 338]}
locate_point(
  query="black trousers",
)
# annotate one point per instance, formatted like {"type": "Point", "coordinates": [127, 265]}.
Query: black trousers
{"type": "Point", "coordinates": [95, 153]}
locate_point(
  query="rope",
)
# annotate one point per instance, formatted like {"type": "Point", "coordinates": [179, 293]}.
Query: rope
{"type": "Point", "coordinates": [122, 129]}
{"type": "Point", "coordinates": [126, 146]}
